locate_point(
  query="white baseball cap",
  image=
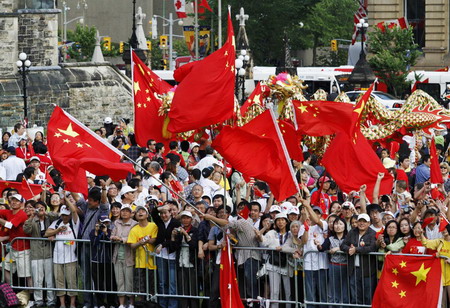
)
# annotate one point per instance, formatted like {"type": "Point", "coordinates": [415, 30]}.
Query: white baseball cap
{"type": "Point", "coordinates": [64, 210]}
{"type": "Point", "coordinates": [127, 189]}
{"type": "Point", "coordinates": [364, 217]}
{"type": "Point", "coordinates": [186, 213]}
{"type": "Point", "coordinates": [275, 208]}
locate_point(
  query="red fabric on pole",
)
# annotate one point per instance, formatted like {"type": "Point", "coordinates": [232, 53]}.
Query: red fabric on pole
{"type": "Point", "coordinates": [435, 168]}
{"type": "Point", "coordinates": [353, 163]}
{"type": "Point", "coordinates": [146, 85]}
{"type": "Point", "coordinates": [180, 8]}
{"type": "Point", "coordinates": [205, 4]}
{"type": "Point", "coordinates": [256, 150]}
{"type": "Point", "coordinates": [318, 118]}
{"type": "Point", "coordinates": [257, 97]}
{"type": "Point", "coordinates": [409, 281]}
{"type": "Point", "coordinates": [229, 289]}
{"type": "Point", "coordinates": [76, 149]}
{"type": "Point", "coordinates": [291, 139]}
{"type": "Point", "coordinates": [205, 95]}
{"type": "Point", "coordinates": [27, 190]}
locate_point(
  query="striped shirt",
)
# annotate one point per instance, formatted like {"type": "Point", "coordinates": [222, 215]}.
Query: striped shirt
{"type": "Point", "coordinates": [245, 233]}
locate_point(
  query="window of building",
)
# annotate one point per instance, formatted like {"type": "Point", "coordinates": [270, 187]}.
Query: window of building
{"type": "Point", "coordinates": [415, 14]}
{"type": "Point", "coordinates": [37, 4]}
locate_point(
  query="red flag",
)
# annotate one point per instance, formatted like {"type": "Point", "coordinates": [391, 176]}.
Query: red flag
{"type": "Point", "coordinates": [317, 118]}
{"type": "Point", "coordinates": [357, 111]}
{"type": "Point", "coordinates": [74, 149]}
{"type": "Point", "coordinates": [205, 95]}
{"type": "Point", "coordinates": [257, 97]}
{"type": "Point", "coordinates": [399, 22]}
{"type": "Point", "coordinates": [146, 85]}
{"type": "Point", "coordinates": [409, 281]}
{"type": "Point", "coordinates": [229, 289]}
{"type": "Point", "coordinates": [180, 8]}
{"type": "Point", "coordinates": [258, 150]}
{"type": "Point", "coordinates": [48, 178]}
{"type": "Point", "coordinates": [435, 168]}
{"type": "Point", "coordinates": [24, 188]}
{"type": "Point", "coordinates": [354, 163]}
{"type": "Point", "coordinates": [291, 139]}
{"type": "Point", "coordinates": [205, 4]}
{"type": "Point", "coordinates": [443, 223]}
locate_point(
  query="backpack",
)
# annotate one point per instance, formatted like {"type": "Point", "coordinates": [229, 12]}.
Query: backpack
{"type": "Point", "coordinates": [7, 296]}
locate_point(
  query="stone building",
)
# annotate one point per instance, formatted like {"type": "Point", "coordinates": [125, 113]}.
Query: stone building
{"type": "Point", "coordinates": [89, 91]}
{"type": "Point", "coordinates": [430, 19]}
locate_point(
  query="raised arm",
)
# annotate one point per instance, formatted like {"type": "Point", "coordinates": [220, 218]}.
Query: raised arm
{"type": "Point", "coordinates": [376, 188]}
{"type": "Point", "coordinates": [363, 198]}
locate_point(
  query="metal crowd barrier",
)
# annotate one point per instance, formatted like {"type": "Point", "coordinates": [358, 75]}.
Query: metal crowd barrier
{"type": "Point", "coordinates": [265, 276]}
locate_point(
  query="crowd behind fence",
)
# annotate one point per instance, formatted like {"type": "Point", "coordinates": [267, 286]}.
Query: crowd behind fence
{"type": "Point", "coordinates": [276, 277]}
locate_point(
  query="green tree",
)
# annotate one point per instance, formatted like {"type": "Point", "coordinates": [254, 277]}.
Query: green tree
{"type": "Point", "coordinates": [84, 43]}
{"type": "Point", "coordinates": [393, 52]}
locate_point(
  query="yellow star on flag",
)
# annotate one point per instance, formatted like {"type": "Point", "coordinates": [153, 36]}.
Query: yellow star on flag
{"type": "Point", "coordinates": [141, 69]}
{"type": "Point", "coordinates": [257, 98]}
{"type": "Point", "coordinates": [136, 87]}
{"type": "Point", "coordinates": [303, 108]}
{"type": "Point", "coordinates": [57, 135]}
{"type": "Point", "coordinates": [147, 91]}
{"type": "Point", "coordinates": [226, 52]}
{"type": "Point", "coordinates": [66, 140]}
{"type": "Point", "coordinates": [139, 105]}
{"type": "Point", "coordinates": [421, 274]}
{"type": "Point", "coordinates": [69, 131]}
{"type": "Point", "coordinates": [88, 145]}
{"type": "Point", "coordinates": [148, 98]}
{"type": "Point", "coordinates": [395, 284]}
{"type": "Point", "coordinates": [79, 145]}
{"type": "Point", "coordinates": [394, 271]}
{"type": "Point", "coordinates": [232, 68]}
{"type": "Point", "coordinates": [402, 264]}
{"type": "Point", "coordinates": [402, 294]}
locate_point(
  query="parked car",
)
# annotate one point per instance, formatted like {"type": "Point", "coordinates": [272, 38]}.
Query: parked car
{"type": "Point", "coordinates": [388, 101]}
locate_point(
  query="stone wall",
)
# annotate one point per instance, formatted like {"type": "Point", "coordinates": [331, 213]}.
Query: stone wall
{"type": "Point", "coordinates": [89, 91]}
{"type": "Point", "coordinates": [8, 45]}
{"type": "Point", "coordinates": [38, 36]}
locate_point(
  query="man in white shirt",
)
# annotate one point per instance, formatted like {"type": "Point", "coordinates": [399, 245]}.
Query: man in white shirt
{"type": "Point", "coordinates": [150, 181]}
{"type": "Point", "coordinates": [19, 132]}
{"type": "Point", "coordinates": [210, 188]}
{"type": "Point", "coordinates": [13, 165]}
{"type": "Point", "coordinates": [208, 160]}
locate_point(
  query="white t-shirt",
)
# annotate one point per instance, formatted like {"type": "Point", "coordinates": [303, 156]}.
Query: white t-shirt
{"type": "Point", "coordinates": [140, 199]}
{"type": "Point", "coordinates": [314, 260]}
{"type": "Point", "coordinates": [65, 248]}
{"type": "Point", "coordinates": [151, 181]}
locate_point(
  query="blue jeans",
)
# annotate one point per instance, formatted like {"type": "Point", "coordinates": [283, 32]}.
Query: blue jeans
{"type": "Point", "coordinates": [362, 288]}
{"type": "Point", "coordinates": [338, 283]}
{"type": "Point", "coordinates": [167, 280]}
{"type": "Point", "coordinates": [316, 286]}
{"type": "Point", "coordinates": [251, 267]}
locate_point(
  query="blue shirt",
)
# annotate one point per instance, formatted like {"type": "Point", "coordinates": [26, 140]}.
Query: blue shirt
{"type": "Point", "coordinates": [422, 173]}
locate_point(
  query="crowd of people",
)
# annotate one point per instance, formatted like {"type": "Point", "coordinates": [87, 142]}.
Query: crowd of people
{"type": "Point", "coordinates": [161, 231]}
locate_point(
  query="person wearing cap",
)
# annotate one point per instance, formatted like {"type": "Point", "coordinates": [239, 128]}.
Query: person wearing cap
{"type": "Point", "coordinates": [18, 259]}
{"type": "Point", "coordinates": [293, 213]}
{"type": "Point", "coordinates": [315, 262]}
{"type": "Point", "coordinates": [187, 238]}
{"type": "Point", "coordinates": [36, 163]}
{"type": "Point", "coordinates": [348, 210]}
{"type": "Point", "coordinates": [24, 150]}
{"type": "Point", "coordinates": [274, 211]}
{"type": "Point", "coordinates": [19, 133]}
{"type": "Point", "coordinates": [96, 205]}
{"type": "Point", "coordinates": [101, 261]}
{"type": "Point", "coordinates": [361, 266]}
{"type": "Point", "coordinates": [277, 266]}
{"type": "Point", "coordinates": [65, 259]}
{"type": "Point", "coordinates": [41, 256]}
{"type": "Point", "coordinates": [142, 238]}
{"type": "Point", "coordinates": [108, 126]}
{"type": "Point", "coordinates": [194, 156]}
{"type": "Point", "coordinates": [13, 165]}
{"type": "Point", "coordinates": [128, 196]}
{"type": "Point", "coordinates": [123, 258]}
{"type": "Point", "coordinates": [166, 249]}
{"type": "Point", "coordinates": [320, 197]}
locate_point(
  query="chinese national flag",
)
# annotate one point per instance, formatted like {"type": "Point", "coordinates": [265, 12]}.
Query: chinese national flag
{"type": "Point", "coordinates": [76, 149]}
{"type": "Point", "coordinates": [435, 168]}
{"type": "Point", "coordinates": [229, 290]}
{"type": "Point", "coordinates": [205, 94]}
{"type": "Point", "coordinates": [291, 139]}
{"type": "Point", "coordinates": [257, 150]}
{"type": "Point", "coordinates": [146, 85]}
{"type": "Point", "coordinates": [358, 109]}
{"type": "Point", "coordinates": [257, 97]}
{"type": "Point", "coordinates": [353, 163]}
{"type": "Point", "coordinates": [318, 118]}
{"type": "Point", "coordinates": [408, 281]}
{"type": "Point", "coordinates": [24, 188]}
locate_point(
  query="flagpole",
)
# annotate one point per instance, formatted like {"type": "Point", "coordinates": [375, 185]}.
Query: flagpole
{"type": "Point", "coordinates": [196, 29]}
{"type": "Point", "coordinates": [219, 26]}
{"type": "Point", "coordinates": [285, 151]}
{"type": "Point", "coordinates": [132, 83]}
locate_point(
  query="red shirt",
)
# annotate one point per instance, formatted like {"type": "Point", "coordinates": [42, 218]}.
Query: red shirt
{"type": "Point", "coordinates": [182, 162]}
{"type": "Point", "coordinates": [17, 221]}
{"type": "Point", "coordinates": [25, 153]}
{"type": "Point", "coordinates": [415, 247]}
{"type": "Point", "coordinates": [401, 176]}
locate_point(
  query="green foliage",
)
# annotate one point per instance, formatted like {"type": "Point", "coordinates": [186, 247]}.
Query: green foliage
{"type": "Point", "coordinates": [114, 52]}
{"type": "Point", "coordinates": [84, 38]}
{"type": "Point", "coordinates": [332, 58]}
{"type": "Point", "coordinates": [393, 53]}
{"type": "Point", "coordinates": [179, 46]}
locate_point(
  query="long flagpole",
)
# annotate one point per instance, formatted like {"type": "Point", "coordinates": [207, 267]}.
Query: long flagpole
{"type": "Point", "coordinates": [219, 26]}
{"type": "Point", "coordinates": [196, 30]}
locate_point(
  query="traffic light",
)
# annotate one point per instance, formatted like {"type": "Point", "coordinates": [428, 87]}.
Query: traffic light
{"type": "Point", "coordinates": [121, 47]}
{"type": "Point", "coordinates": [107, 42]}
{"type": "Point", "coordinates": [163, 41]}
{"type": "Point", "coordinates": [149, 45]}
{"type": "Point", "coordinates": [334, 45]}
{"type": "Point", "coordinates": [164, 64]}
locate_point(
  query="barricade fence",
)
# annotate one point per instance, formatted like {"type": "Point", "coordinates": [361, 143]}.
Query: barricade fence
{"type": "Point", "coordinates": [265, 276]}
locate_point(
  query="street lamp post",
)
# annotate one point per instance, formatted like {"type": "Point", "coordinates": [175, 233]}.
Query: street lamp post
{"type": "Point", "coordinates": [23, 64]}
{"type": "Point", "coordinates": [133, 39]}
{"type": "Point", "coordinates": [241, 64]}
{"type": "Point", "coordinates": [171, 35]}
{"type": "Point", "coordinates": [362, 26]}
